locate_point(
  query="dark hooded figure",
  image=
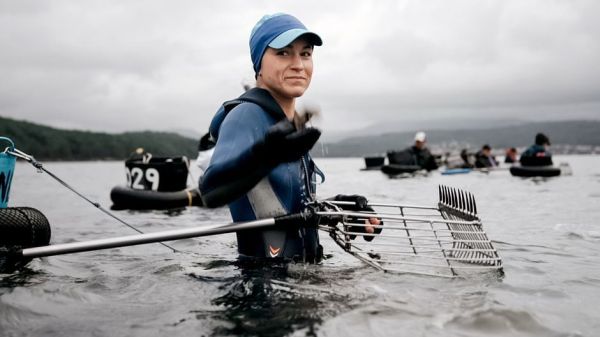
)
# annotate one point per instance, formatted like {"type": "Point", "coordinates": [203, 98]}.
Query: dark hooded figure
{"type": "Point", "coordinates": [537, 154]}
{"type": "Point", "coordinates": [484, 158]}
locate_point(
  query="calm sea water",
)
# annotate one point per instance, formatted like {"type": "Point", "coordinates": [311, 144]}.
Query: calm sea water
{"type": "Point", "coordinates": [546, 231]}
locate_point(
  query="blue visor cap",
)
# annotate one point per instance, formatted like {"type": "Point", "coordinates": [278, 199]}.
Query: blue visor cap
{"type": "Point", "coordinates": [277, 31]}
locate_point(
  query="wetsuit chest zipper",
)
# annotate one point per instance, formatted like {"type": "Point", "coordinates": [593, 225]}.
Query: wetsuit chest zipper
{"type": "Point", "coordinates": [307, 178]}
{"type": "Point", "coordinates": [308, 189]}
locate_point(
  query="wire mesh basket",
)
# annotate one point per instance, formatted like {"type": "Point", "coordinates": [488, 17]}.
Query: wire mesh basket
{"type": "Point", "coordinates": [447, 240]}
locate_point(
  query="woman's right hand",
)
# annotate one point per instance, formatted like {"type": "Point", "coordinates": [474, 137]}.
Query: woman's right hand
{"type": "Point", "coordinates": [284, 143]}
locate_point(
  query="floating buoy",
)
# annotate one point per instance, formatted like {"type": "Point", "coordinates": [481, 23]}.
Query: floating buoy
{"type": "Point", "coordinates": [535, 171]}
{"type": "Point", "coordinates": [21, 227]}
{"type": "Point", "coordinates": [124, 197]}
{"type": "Point", "coordinates": [394, 169]}
{"type": "Point", "coordinates": [155, 183]}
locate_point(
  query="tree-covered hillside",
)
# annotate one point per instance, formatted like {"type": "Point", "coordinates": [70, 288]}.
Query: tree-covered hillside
{"type": "Point", "coordinates": [46, 143]}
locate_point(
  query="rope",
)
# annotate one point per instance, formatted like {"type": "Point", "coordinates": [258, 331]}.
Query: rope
{"type": "Point", "coordinates": [40, 168]}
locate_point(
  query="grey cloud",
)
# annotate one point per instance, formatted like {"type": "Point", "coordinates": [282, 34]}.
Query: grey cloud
{"type": "Point", "coordinates": [116, 66]}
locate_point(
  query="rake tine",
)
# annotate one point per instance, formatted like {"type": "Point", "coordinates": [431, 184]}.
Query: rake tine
{"type": "Point", "coordinates": [470, 200]}
{"type": "Point", "coordinates": [472, 204]}
{"type": "Point", "coordinates": [457, 196]}
{"type": "Point", "coordinates": [454, 198]}
{"type": "Point", "coordinates": [446, 196]}
{"type": "Point", "coordinates": [458, 202]}
{"type": "Point", "coordinates": [468, 195]}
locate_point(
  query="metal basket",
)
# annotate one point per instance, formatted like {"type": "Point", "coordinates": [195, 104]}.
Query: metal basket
{"type": "Point", "coordinates": [447, 240]}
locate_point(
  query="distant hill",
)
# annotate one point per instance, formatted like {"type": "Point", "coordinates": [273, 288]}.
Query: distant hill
{"type": "Point", "coordinates": [46, 143]}
{"type": "Point", "coordinates": [407, 125]}
{"type": "Point", "coordinates": [521, 135]}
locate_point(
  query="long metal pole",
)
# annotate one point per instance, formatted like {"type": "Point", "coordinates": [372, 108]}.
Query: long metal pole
{"type": "Point", "coordinates": [132, 240]}
{"type": "Point", "coordinates": [20, 154]}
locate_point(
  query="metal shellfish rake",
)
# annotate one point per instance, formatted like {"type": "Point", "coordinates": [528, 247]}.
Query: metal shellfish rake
{"type": "Point", "coordinates": [447, 240]}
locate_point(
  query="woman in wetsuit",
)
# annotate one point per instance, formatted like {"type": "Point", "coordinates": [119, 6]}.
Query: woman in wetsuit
{"type": "Point", "coordinates": [261, 166]}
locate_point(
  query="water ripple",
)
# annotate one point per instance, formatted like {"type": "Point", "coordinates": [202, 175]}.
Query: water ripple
{"type": "Point", "coordinates": [579, 231]}
{"type": "Point", "coordinates": [498, 322]}
{"type": "Point", "coordinates": [546, 232]}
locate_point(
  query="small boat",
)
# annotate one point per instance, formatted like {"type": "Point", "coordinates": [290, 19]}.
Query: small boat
{"type": "Point", "coordinates": [396, 169]}
{"type": "Point", "coordinates": [373, 163]}
{"type": "Point", "coordinates": [464, 170]}
{"type": "Point", "coordinates": [403, 157]}
{"type": "Point", "coordinates": [155, 183]}
{"type": "Point", "coordinates": [452, 171]}
{"type": "Point", "coordinates": [124, 197]}
{"type": "Point", "coordinates": [535, 171]}
{"type": "Point", "coordinates": [401, 164]}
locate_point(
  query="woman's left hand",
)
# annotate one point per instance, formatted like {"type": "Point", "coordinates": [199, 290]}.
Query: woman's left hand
{"type": "Point", "coordinates": [371, 225]}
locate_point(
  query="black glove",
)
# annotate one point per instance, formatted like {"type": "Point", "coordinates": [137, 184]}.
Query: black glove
{"type": "Point", "coordinates": [283, 143]}
{"type": "Point", "coordinates": [360, 204]}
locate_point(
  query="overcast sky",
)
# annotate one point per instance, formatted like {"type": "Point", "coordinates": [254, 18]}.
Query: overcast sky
{"type": "Point", "coordinates": [163, 65]}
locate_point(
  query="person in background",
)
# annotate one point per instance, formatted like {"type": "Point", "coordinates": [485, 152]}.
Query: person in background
{"type": "Point", "coordinates": [261, 166]}
{"type": "Point", "coordinates": [538, 153]}
{"type": "Point", "coordinates": [466, 158]}
{"type": "Point", "coordinates": [484, 158]}
{"type": "Point", "coordinates": [138, 154]}
{"type": "Point", "coordinates": [510, 156]}
{"type": "Point", "coordinates": [420, 153]}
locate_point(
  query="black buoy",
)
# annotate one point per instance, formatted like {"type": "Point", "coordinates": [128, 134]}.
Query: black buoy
{"type": "Point", "coordinates": [155, 183]}
{"type": "Point", "coordinates": [535, 171]}
{"type": "Point", "coordinates": [20, 227]}
{"type": "Point", "coordinates": [124, 197]}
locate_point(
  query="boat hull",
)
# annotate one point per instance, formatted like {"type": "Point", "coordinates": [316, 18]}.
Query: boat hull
{"type": "Point", "coordinates": [395, 169]}
{"type": "Point", "coordinates": [374, 162]}
{"type": "Point", "coordinates": [127, 198]}
{"type": "Point", "coordinates": [535, 171]}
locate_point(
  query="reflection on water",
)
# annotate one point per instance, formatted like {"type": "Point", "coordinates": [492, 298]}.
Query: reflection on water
{"type": "Point", "coordinates": [546, 232]}
{"type": "Point", "coordinates": [265, 299]}
{"type": "Point", "coordinates": [495, 321]}
{"type": "Point", "coordinates": [24, 277]}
